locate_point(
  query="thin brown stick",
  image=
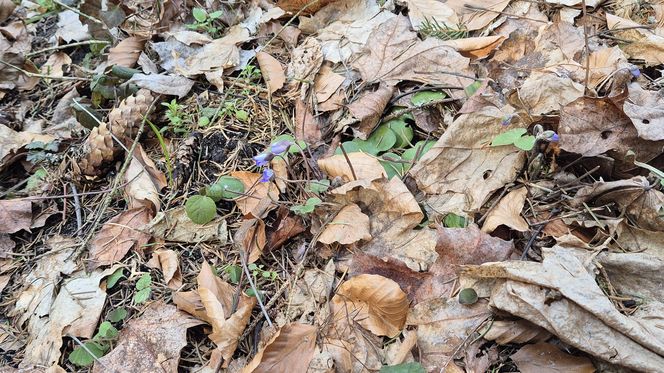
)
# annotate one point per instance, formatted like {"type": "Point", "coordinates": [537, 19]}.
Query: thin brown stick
{"type": "Point", "coordinates": [352, 170]}
{"type": "Point", "coordinates": [587, 49]}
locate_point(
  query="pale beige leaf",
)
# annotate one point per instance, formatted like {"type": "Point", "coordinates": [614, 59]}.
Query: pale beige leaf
{"type": "Point", "coordinates": [140, 190]}
{"type": "Point", "coordinates": [126, 53]}
{"type": "Point", "coordinates": [368, 109]}
{"type": "Point", "coordinates": [477, 47]}
{"type": "Point", "coordinates": [150, 343]}
{"type": "Point", "coordinates": [327, 82]}
{"type": "Point", "coordinates": [518, 331]}
{"type": "Point", "coordinates": [643, 43]}
{"type": "Point", "coordinates": [167, 261]}
{"type": "Point", "coordinates": [348, 226]}
{"type": "Point", "coordinates": [174, 225]}
{"type": "Point", "coordinates": [364, 166]}
{"type": "Point", "coordinates": [54, 65]}
{"type": "Point", "coordinates": [272, 71]}
{"type": "Point", "coordinates": [421, 11]}
{"type": "Point", "coordinates": [11, 141]}
{"type": "Point", "coordinates": [396, 54]}
{"type": "Point", "coordinates": [542, 93]}
{"type": "Point", "coordinates": [546, 358]}
{"type": "Point", "coordinates": [646, 111]}
{"type": "Point", "coordinates": [15, 214]}
{"type": "Point", "coordinates": [263, 195]}
{"type": "Point", "coordinates": [291, 349]}
{"type": "Point", "coordinates": [6, 9]}
{"type": "Point", "coordinates": [476, 14]}
{"type": "Point", "coordinates": [219, 54]}
{"type": "Point", "coordinates": [508, 212]}
{"type": "Point", "coordinates": [227, 335]}
{"type": "Point", "coordinates": [119, 235]}
{"type": "Point", "coordinates": [252, 236]}
{"type": "Point", "coordinates": [173, 85]}
{"type": "Point", "coordinates": [70, 27]}
{"type": "Point", "coordinates": [375, 302]}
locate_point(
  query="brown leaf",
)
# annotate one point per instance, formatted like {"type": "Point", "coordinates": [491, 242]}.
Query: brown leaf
{"type": "Point", "coordinates": [306, 7]}
{"type": "Point", "coordinates": [508, 212]}
{"type": "Point", "coordinates": [364, 166]}
{"type": "Point", "coordinates": [119, 235]}
{"type": "Point", "coordinates": [272, 71]}
{"type": "Point", "coordinates": [305, 62]}
{"type": "Point", "coordinates": [126, 53]}
{"type": "Point", "coordinates": [307, 126]}
{"type": "Point", "coordinates": [517, 331]}
{"type": "Point", "coordinates": [167, 261]}
{"type": "Point", "coordinates": [369, 108]}
{"type": "Point", "coordinates": [54, 65]}
{"type": "Point", "coordinates": [143, 189]}
{"type": "Point", "coordinates": [327, 83]}
{"type": "Point", "coordinates": [150, 343]}
{"type": "Point", "coordinates": [543, 93]}
{"type": "Point", "coordinates": [6, 9]}
{"type": "Point", "coordinates": [646, 111]}
{"type": "Point", "coordinates": [226, 335]}
{"type": "Point", "coordinates": [263, 195]}
{"type": "Point", "coordinates": [191, 303]}
{"type": "Point", "coordinates": [348, 226]}
{"type": "Point", "coordinates": [285, 227]}
{"type": "Point", "coordinates": [174, 225]}
{"type": "Point", "coordinates": [290, 349]}
{"type": "Point", "coordinates": [546, 358]}
{"type": "Point", "coordinates": [220, 54]}
{"type": "Point", "coordinates": [421, 11]}
{"type": "Point", "coordinates": [11, 141]}
{"type": "Point", "coordinates": [251, 235]}
{"type": "Point", "coordinates": [15, 214]}
{"type": "Point", "coordinates": [173, 85]}
{"type": "Point", "coordinates": [375, 302]}
{"type": "Point", "coordinates": [643, 43]}
{"type": "Point", "coordinates": [396, 54]}
{"type": "Point", "coordinates": [476, 14]}
{"type": "Point", "coordinates": [477, 47]}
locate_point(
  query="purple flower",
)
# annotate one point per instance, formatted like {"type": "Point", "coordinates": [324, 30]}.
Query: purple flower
{"type": "Point", "coordinates": [635, 71]}
{"type": "Point", "coordinates": [554, 137]}
{"type": "Point", "coordinates": [280, 146]}
{"type": "Point", "coordinates": [268, 174]}
{"type": "Point", "coordinates": [263, 159]}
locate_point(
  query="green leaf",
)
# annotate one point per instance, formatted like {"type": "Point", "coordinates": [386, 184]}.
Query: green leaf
{"type": "Point", "coordinates": [217, 14]}
{"type": "Point", "coordinates": [308, 207]}
{"type": "Point", "coordinates": [455, 221]}
{"type": "Point", "coordinates": [106, 331]}
{"type": "Point", "coordinates": [82, 358]}
{"type": "Point", "coordinates": [200, 209]}
{"type": "Point", "coordinates": [472, 88]}
{"type": "Point", "coordinates": [35, 180]}
{"type": "Point", "coordinates": [403, 368]}
{"type": "Point", "coordinates": [318, 186]}
{"type": "Point", "coordinates": [227, 187]}
{"type": "Point", "coordinates": [114, 278]}
{"type": "Point", "coordinates": [468, 296]}
{"type": "Point", "coordinates": [525, 143]}
{"type": "Point", "coordinates": [403, 132]}
{"type": "Point", "coordinates": [117, 314]}
{"type": "Point", "coordinates": [410, 153]}
{"type": "Point", "coordinates": [425, 97]}
{"type": "Point", "coordinates": [295, 148]}
{"type": "Point", "coordinates": [199, 14]}
{"type": "Point", "coordinates": [383, 138]}
{"type": "Point", "coordinates": [235, 272]}
{"type": "Point", "coordinates": [142, 295]}
{"type": "Point", "coordinates": [509, 137]}
{"type": "Point", "coordinates": [391, 164]}
{"type": "Point", "coordinates": [144, 282]}
{"type": "Point", "coordinates": [250, 292]}
{"type": "Point", "coordinates": [365, 146]}
{"type": "Point", "coordinates": [203, 121]}
{"type": "Point", "coordinates": [349, 147]}
{"type": "Point", "coordinates": [242, 115]}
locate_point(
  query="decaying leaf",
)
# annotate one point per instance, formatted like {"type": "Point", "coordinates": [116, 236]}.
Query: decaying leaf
{"type": "Point", "coordinates": [508, 212]}
{"type": "Point", "coordinates": [15, 215]}
{"type": "Point", "coordinates": [150, 343]}
{"type": "Point", "coordinates": [119, 235]}
{"type": "Point", "coordinates": [163, 84]}
{"type": "Point", "coordinates": [375, 302]}
{"type": "Point", "coordinates": [518, 331]}
{"type": "Point", "coordinates": [546, 358]}
{"type": "Point", "coordinates": [55, 64]}
{"type": "Point", "coordinates": [144, 181]}
{"type": "Point", "coordinates": [348, 226]}
{"type": "Point", "coordinates": [167, 261]}
{"type": "Point", "coordinates": [273, 72]}
{"type": "Point", "coordinates": [174, 225]}
{"type": "Point", "coordinates": [126, 53]}
{"type": "Point", "coordinates": [359, 166]}
{"type": "Point", "coordinates": [291, 348]}
{"type": "Point", "coordinates": [646, 111]}
{"type": "Point", "coordinates": [263, 195]}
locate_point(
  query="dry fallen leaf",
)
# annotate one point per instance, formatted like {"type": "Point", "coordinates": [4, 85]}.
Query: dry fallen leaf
{"type": "Point", "coordinates": [126, 52]}
{"type": "Point", "coordinates": [119, 235]}
{"type": "Point", "coordinates": [6, 9]}
{"type": "Point", "coordinates": [226, 334]}
{"type": "Point", "coordinates": [167, 261]}
{"type": "Point", "coordinates": [15, 214]}
{"type": "Point", "coordinates": [375, 302]}
{"type": "Point", "coordinates": [163, 84]}
{"type": "Point", "coordinates": [646, 111]}
{"type": "Point", "coordinates": [142, 190]}
{"type": "Point", "coordinates": [368, 110]}
{"type": "Point", "coordinates": [272, 71]}
{"type": "Point", "coordinates": [263, 195]}
{"type": "Point", "coordinates": [546, 358]}
{"type": "Point", "coordinates": [285, 227]}
{"type": "Point", "coordinates": [150, 343]}
{"type": "Point", "coordinates": [364, 167]}
{"type": "Point", "coordinates": [477, 47]}
{"type": "Point", "coordinates": [174, 225]}
{"type": "Point", "coordinates": [508, 212]}
{"type": "Point", "coordinates": [290, 349]}
{"type": "Point", "coordinates": [643, 43]}
{"type": "Point", "coordinates": [518, 331]}
{"type": "Point", "coordinates": [348, 226]}
{"type": "Point", "coordinates": [11, 141]}
{"type": "Point", "coordinates": [54, 65]}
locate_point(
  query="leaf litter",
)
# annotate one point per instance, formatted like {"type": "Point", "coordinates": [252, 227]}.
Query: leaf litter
{"type": "Point", "coordinates": [349, 186]}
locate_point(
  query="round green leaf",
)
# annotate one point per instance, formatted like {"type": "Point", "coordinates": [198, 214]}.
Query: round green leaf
{"type": "Point", "coordinates": [509, 137]}
{"type": "Point", "coordinates": [229, 187]}
{"type": "Point", "coordinates": [383, 138]}
{"type": "Point", "coordinates": [200, 209]}
{"type": "Point", "coordinates": [403, 368]}
{"type": "Point", "coordinates": [82, 358]}
{"type": "Point", "coordinates": [366, 146]}
{"type": "Point", "coordinates": [349, 147]}
{"type": "Point", "coordinates": [410, 153]}
{"type": "Point", "coordinates": [294, 149]}
{"type": "Point", "coordinates": [403, 132]}
{"type": "Point", "coordinates": [425, 97]}
{"type": "Point", "coordinates": [525, 143]}
{"type": "Point", "coordinates": [468, 296]}
{"type": "Point", "coordinates": [117, 314]}
{"type": "Point", "coordinates": [199, 14]}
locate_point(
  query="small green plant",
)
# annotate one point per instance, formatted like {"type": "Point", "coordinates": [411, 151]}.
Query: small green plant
{"type": "Point", "coordinates": [204, 21]}
{"type": "Point", "coordinates": [515, 137]}
{"type": "Point", "coordinates": [403, 368]}
{"type": "Point", "coordinates": [431, 27]}
{"type": "Point", "coordinates": [308, 206]}
{"type": "Point", "coordinates": [177, 118]}
{"type": "Point", "coordinates": [96, 347]}
{"type": "Point", "coordinates": [117, 314]}
{"type": "Point", "coordinates": [455, 221]}
{"type": "Point", "coordinates": [318, 186]}
{"type": "Point", "coordinates": [202, 208]}
{"type": "Point", "coordinates": [39, 152]}
{"type": "Point", "coordinates": [250, 73]}
{"type": "Point", "coordinates": [143, 289]}
{"type": "Point", "coordinates": [113, 279]}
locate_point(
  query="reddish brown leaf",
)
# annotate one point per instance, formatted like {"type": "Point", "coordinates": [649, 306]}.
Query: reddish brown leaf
{"type": "Point", "coordinates": [290, 350]}
{"type": "Point", "coordinates": [119, 235]}
{"type": "Point", "coordinates": [546, 358]}
{"type": "Point", "coordinates": [285, 227]}
{"type": "Point", "coordinates": [307, 126]}
{"type": "Point", "coordinates": [126, 53]}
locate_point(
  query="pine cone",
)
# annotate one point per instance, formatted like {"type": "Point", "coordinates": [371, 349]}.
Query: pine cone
{"type": "Point", "coordinates": [185, 156]}
{"type": "Point", "coordinates": [123, 122]}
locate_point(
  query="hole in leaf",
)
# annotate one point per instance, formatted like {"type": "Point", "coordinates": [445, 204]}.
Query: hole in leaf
{"type": "Point", "coordinates": [605, 134]}
{"type": "Point", "coordinates": [486, 174]}
{"type": "Point", "coordinates": [646, 121]}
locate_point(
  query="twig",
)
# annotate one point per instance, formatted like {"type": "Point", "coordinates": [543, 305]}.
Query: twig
{"type": "Point", "coordinates": [473, 7]}
{"type": "Point", "coordinates": [537, 232]}
{"type": "Point", "coordinates": [243, 260]}
{"type": "Point", "coordinates": [43, 76]}
{"type": "Point", "coordinates": [83, 346]}
{"type": "Point", "coordinates": [352, 170]}
{"type": "Point", "coordinates": [91, 18]}
{"type": "Point", "coordinates": [585, 39]}
{"type": "Point", "coordinates": [64, 46]}
{"type": "Point", "coordinates": [77, 205]}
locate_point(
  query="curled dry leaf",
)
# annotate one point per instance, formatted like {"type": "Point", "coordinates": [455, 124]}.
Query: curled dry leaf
{"type": "Point", "coordinates": [508, 212]}
{"type": "Point", "coordinates": [287, 226]}
{"type": "Point", "coordinates": [142, 190]}
{"type": "Point", "coordinates": [119, 235]}
{"type": "Point", "coordinates": [15, 214]}
{"type": "Point", "coordinates": [307, 126]}
{"type": "Point", "coordinates": [364, 166]}
{"type": "Point", "coordinates": [646, 111]}
{"type": "Point", "coordinates": [290, 349]}
{"type": "Point", "coordinates": [542, 93]}
{"type": "Point", "coordinates": [516, 331]}
{"type": "Point", "coordinates": [227, 334]}
{"type": "Point", "coordinates": [348, 226]}
{"type": "Point", "coordinates": [126, 53]}
{"type": "Point", "coordinates": [375, 302]}
{"type": "Point", "coordinates": [150, 343]}
{"type": "Point", "coordinates": [167, 261]}
{"type": "Point", "coordinates": [251, 235]}
{"type": "Point", "coordinates": [263, 195]}
{"type": "Point", "coordinates": [272, 71]}
{"type": "Point", "coordinates": [190, 301]}
{"type": "Point", "coordinates": [546, 358]}
{"type": "Point", "coordinates": [368, 109]}
{"type": "Point", "coordinates": [477, 47]}
{"type": "Point", "coordinates": [172, 85]}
